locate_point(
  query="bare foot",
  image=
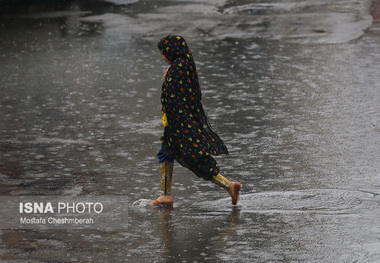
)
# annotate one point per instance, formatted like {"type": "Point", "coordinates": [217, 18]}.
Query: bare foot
{"type": "Point", "coordinates": [163, 200]}
{"type": "Point", "coordinates": [234, 192]}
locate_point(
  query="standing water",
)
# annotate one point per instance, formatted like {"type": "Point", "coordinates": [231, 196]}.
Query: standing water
{"type": "Point", "coordinates": [292, 87]}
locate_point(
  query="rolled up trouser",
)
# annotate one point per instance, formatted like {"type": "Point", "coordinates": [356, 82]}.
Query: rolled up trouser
{"type": "Point", "coordinates": [163, 155]}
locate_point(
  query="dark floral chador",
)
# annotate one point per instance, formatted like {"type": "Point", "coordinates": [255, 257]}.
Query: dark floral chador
{"type": "Point", "coordinates": [188, 136]}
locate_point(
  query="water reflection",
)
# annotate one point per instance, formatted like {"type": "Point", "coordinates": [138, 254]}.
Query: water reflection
{"type": "Point", "coordinates": [199, 242]}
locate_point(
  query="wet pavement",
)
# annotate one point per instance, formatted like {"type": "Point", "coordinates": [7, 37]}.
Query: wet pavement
{"type": "Point", "coordinates": [292, 87]}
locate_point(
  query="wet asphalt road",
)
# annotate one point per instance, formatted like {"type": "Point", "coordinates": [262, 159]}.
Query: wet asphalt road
{"type": "Point", "coordinates": [291, 87]}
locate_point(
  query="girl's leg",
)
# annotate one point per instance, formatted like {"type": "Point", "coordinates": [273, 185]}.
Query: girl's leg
{"type": "Point", "coordinates": [166, 172]}
{"type": "Point", "coordinates": [166, 162]}
{"type": "Point", "coordinates": [207, 168]}
{"type": "Point", "coordinates": [233, 188]}
{"type": "Point", "coordinates": [221, 181]}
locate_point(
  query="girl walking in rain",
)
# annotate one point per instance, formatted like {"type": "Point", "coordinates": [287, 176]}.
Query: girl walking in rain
{"type": "Point", "coordinates": [188, 137]}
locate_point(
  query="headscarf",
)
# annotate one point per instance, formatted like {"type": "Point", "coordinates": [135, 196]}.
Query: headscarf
{"type": "Point", "coordinates": [175, 47]}
{"type": "Point", "coordinates": [189, 134]}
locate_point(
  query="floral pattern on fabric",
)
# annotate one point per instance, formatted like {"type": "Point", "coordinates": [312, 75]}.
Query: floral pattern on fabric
{"type": "Point", "coordinates": [188, 136]}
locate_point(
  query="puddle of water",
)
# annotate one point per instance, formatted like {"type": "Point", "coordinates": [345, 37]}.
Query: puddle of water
{"type": "Point", "coordinates": [81, 116]}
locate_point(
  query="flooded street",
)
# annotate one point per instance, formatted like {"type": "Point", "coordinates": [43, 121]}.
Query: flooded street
{"type": "Point", "coordinates": [292, 88]}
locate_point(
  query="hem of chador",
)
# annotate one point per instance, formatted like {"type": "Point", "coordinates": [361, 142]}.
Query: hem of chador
{"type": "Point", "coordinates": [164, 156]}
{"type": "Point", "coordinates": [205, 176]}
